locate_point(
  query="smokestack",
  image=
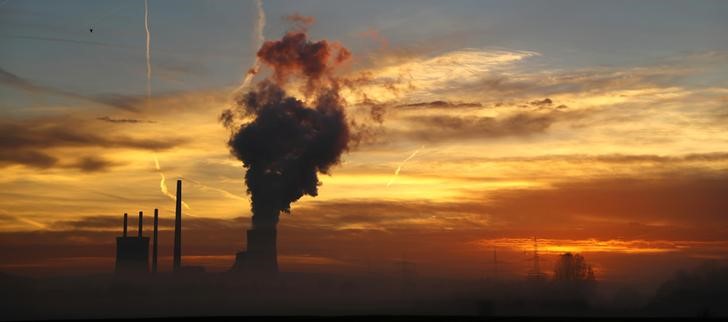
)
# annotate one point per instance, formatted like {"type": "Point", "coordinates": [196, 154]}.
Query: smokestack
{"type": "Point", "coordinates": [154, 241]}
{"type": "Point", "coordinates": [141, 223]}
{"type": "Point", "coordinates": [178, 228]}
{"type": "Point", "coordinates": [125, 222]}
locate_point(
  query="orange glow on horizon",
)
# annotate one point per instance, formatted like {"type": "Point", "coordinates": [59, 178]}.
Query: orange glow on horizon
{"type": "Point", "coordinates": [558, 246]}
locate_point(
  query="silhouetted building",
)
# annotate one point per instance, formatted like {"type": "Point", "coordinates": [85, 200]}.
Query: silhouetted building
{"type": "Point", "coordinates": [132, 253]}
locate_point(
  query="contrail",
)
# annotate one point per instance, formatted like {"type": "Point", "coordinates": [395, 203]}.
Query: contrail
{"type": "Point", "coordinates": [222, 191]}
{"type": "Point", "coordinates": [399, 168]}
{"type": "Point", "coordinates": [149, 64]}
{"type": "Point", "coordinates": [31, 222]}
{"type": "Point", "coordinates": [163, 183]}
{"type": "Point", "coordinates": [260, 27]}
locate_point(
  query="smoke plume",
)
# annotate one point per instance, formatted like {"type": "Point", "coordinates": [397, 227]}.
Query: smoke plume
{"type": "Point", "coordinates": [285, 142]}
{"type": "Point", "coordinates": [295, 54]}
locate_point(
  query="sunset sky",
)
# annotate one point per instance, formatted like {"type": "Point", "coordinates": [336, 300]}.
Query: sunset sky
{"type": "Point", "coordinates": [598, 127]}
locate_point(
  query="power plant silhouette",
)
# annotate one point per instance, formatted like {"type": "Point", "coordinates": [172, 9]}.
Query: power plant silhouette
{"type": "Point", "coordinates": [132, 253]}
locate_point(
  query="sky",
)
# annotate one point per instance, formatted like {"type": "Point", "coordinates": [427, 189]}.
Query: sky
{"type": "Point", "coordinates": [596, 127]}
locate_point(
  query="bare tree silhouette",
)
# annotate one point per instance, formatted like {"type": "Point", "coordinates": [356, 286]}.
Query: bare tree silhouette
{"type": "Point", "coordinates": [573, 268]}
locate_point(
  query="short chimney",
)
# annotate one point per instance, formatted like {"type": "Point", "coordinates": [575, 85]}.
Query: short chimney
{"type": "Point", "coordinates": [141, 223]}
{"type": "Point", "coordinates": [126, 220]}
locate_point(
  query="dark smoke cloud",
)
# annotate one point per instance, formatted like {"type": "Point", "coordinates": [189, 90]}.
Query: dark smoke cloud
{"type": "Point", "coordinates": [288, 142]}
{"type": "Point", "coordinates": [295, 54]}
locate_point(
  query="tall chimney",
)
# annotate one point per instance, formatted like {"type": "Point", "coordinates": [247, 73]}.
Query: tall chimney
{"type": "Point", "coordinates": [154, 241]}
{"type": "Point", "coordinates": [178, 228]}
{"type": "Point", "coordinates": [125, 222]}
{"type": "Point", "coordinates": [141, 223]}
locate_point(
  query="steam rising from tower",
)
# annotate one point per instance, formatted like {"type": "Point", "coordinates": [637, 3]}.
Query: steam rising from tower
{"type": "Point", "coordinates": [288, 142]}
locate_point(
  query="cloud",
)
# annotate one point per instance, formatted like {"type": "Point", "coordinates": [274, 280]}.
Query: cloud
{"type": "Point", "coordinates": [427, 78]}
{"type": "Point", "coordinates": [50, 133]}
{"type": "Point", "coordinates": [92, 164]}
{"type": "Point", "coordinates": [441, 104]}
{"type": "Point", "coordinates": [114, 222]}
{"type": "Point", "coordinates": [122, 120]}
{"type": "Point", "coordinates": [447, 127]}
{"type": "Point", "coordinates": [13, 80]}
{"type": "Point", "coordinates": [672, 205]}
{"type": "Point", "coordinates": [542, 103]}
{"type": "Point", "coordinates": [613, 158]}
{"type": "Point", "coordinates": [495, 76]}
{"type": "Point", "coordinates": [35, 159]}
{"type": "Point", "coordinates": [669, 214]}
{"type": "Point", "coordinates": [32, 142]}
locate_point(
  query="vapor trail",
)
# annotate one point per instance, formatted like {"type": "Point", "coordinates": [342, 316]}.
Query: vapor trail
{"type": "Point", "coordinates": [399, 168]}
{"type": "Point", "coordinates": [163, 183]}
{"type": "Point", "coordinates": [260, 39]}
{"type": "Point", "coordinates": [149, 64]}
{"type": "Point", "coordinates": [32, 222]}
{"type": "Point", "coordinates": [222, 191]}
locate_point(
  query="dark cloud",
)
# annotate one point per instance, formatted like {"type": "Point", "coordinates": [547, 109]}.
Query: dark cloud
{"type": "Point", "coordinates": [31, 158]}
{"type": "Point", "coordinates": [29, 142]}
{"type": "Point", "coordinates": [49, 133]}
{"type": "Point", "coordinates": [441, 104]}
{"type": "Point", "coordinates": [115, 120]}
{"type": "Point", "coordinates": [92, 164]}
{"type": "Point", "coordinates": [542, 103]}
